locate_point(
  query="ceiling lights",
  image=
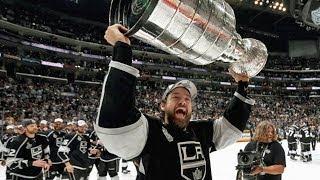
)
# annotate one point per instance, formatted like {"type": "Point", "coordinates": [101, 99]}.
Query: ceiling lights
{"type": "Point", "coordinates": [276, 5]}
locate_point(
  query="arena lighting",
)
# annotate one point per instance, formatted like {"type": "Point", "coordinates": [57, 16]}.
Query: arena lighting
{"type": "Point", "coordinates": [277, 5]}
{"type": "Point", "coordinates": [169, 78]}
{"type": "Point", "coordinates": [225, 83]}
{"type": "Point", "coordinates": [291, 88]}
{"type": "Point", "coordinates": [47, 63]}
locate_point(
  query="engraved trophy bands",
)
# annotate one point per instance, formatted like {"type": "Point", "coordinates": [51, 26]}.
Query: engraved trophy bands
{"type": "Point", "coordinates": [199, 31]}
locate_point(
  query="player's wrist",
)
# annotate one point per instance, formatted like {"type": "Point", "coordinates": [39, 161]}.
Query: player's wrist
{"type": "Point", "coordinates": [30, 163]}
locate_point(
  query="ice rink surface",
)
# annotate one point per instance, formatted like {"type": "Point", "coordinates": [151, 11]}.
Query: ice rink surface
{"type": "Point", "coordinates": [223, 164]}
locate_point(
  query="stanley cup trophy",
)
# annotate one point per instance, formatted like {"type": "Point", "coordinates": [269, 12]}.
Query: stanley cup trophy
{"type": "Point", "coordinates": [199, 31]}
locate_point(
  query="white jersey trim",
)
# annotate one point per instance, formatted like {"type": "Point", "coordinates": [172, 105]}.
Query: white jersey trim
{"type": "Point", "coordinates": [124, 67]}
{"type": "Point", "coordinates": [23, 176]}
{"type": "Point", "coordinates": [224, 133]}
{"type": "Point", "coordinates": [58, 162]}
{"type": "Point", "coordinates": [126, 142]}
{"type": "Point", "coordinates": [64, 149]}
{"type": "Point", "coordinates": [141, 167]}
{"type": "Point", "coordinates": [109, 160]}
{"type": "Point", "coordinates": [248, 101]}
{"type": "Point", "coordinates": [78, 167]}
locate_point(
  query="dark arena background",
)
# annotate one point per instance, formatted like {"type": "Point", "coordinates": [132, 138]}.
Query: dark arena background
{"type": "Point", "coordinates": [53, 59]}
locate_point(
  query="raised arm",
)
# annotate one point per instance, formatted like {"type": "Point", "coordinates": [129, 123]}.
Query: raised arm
{"type": "Point", "coordinates": [228, 129]}
{"type": "Point", "coordinates": [120, 126]}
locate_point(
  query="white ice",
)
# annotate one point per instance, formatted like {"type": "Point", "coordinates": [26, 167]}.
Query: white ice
{"type": "Point", "coordinates": [223, 164]}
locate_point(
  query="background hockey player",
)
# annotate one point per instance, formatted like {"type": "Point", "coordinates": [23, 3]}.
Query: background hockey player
{"type": "Point", "coordinates": [94, 159]}
{"type": "Point", "coordinates": [8, 134]}
{"type": "Point", "coordinates": [293, 134]}
{"type": "Point", "coordinates": [314, 136]}
{"type": "Point", "coordinates": [305, 142]}
{"type": "Point", "coordinates": [55, 138]}
{"type": "Point", "coordinates": [29, 153]}
{"type": "Point", "coordinates": [108, 164]}
{"type": "Point", "coordinates": [43, 126]}
{"type": "Point", "coordinates": [124, 167]}
{"type": "Point", "coordinates": [74, 152]}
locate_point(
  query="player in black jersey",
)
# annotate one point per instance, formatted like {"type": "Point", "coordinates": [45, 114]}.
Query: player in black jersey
{"type": "Point", "coordinates": [305, 142]}
{"type": "Point", "coordinates": [7, 137]}
{"type": "Point", "coordinates": [124, 167]}
{"type": "Point", "coordinates": [293, 134]}
{"type": "Point", "coordinates": [109, 163]}
{"type": "Point", "coordinates": [9, 133]}
{"type": "Point", "coordinates": [94, 159]}
{"type": "Point", "coordinates": [43, 126]}
{"type": "Point", "coordinates": [71, 127]}
{"type": "Point", "coordinates": [314, 137]}
{"type": "Point", "coordinates": [75, 150]}
{"type": "Point", "coordinates": [19, 129]}
{"type": "Point", "coordinates": [173, 147]}
{"type": "Point", "coordinates": [29, 153]}
{"type": "Point", "coordinates": [55, 138]}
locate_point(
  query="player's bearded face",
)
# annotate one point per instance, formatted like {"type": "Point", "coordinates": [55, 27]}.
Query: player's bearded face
{"type": "Point", "coordinates": [32, 129]}
{"type": "Point", "coordinates": [178, 107]}
{"type": "Point", "coordinates": [58, 126]}
{"type": "Point", "coordinates": [82, 129]}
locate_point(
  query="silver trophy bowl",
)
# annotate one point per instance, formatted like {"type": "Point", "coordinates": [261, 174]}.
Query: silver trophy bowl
{"type": "Point", "coordinates": [199, 31]}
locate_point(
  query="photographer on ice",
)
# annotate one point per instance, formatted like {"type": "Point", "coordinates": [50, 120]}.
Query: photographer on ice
{"type": "Point", "coordinates": [270, 151]}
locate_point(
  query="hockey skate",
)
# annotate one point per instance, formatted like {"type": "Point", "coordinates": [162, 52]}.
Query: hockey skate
{"type": "Point", "coordinates": [293, 156]}
{"type": "Point", "coordinates": [125, 171]}
{"type": "Point", "coordinates": [304, 158]}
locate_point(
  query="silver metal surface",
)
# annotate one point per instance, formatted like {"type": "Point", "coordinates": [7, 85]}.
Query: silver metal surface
{"type": "Point", "coordinates": [199, 31]}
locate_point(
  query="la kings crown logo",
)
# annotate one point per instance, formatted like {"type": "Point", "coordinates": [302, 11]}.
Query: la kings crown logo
{"type": "Point", "coordinates": [192, 161]}
{"type": "Point", "coordinates": [36, 152]}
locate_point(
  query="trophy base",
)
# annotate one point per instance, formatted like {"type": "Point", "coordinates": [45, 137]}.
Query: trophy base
{"type": "Point", "coordinates": [131, 14]}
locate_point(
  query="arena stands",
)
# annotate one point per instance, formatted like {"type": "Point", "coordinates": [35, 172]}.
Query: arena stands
{"type": "Point", "coordinates": [58, 60]}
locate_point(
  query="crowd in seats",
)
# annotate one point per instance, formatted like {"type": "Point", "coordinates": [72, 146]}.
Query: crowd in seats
{"type": "Point", "coordinates": [43, 99]}
{"type": "Point", "coordinates": [86, 69]}
{"type": "Point", "coordinates": [40, 19]}
{"type": "Point", "coordinates": [296, 63]}
{"type": "Point", "coordinates": [36, 18]}
{"type": "Point", "coordinates": [47, 99]}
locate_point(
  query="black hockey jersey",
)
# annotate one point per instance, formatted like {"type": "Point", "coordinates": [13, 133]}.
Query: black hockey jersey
{"type": "Point", "coordinates": [106, 156]}
{"type": "Point", "coordinates": [182, 154]}
{"type": "Point", "coordinates": [293, 133]}
{"type": "Point", "coordinates": [305, 134]}
{"type": "Point", "coordinates": [94, 142]}
{"type": "Point", "coordinates": [6, 136]}
{"type": "Point", "coordinates": [55, 139]}
{"type": "Point", "coordinates": [75, 149]}
{"type": "Point", "coordinates": [25, 150]}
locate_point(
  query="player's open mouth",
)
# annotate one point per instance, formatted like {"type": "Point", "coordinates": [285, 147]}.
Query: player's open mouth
{"type": "Point", "coordinates": [180, 112]}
